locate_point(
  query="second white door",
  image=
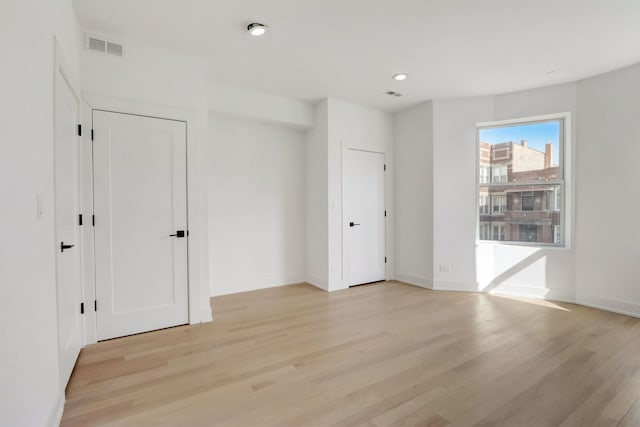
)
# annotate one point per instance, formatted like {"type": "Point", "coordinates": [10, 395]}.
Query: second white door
{"type": "Point", "coordinates": [140, 206]}
{"type": "Point", "coordinates": [364, 217]}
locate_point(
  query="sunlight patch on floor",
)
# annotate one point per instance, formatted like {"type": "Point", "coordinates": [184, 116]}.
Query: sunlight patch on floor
{"type": "Point", "coordinates": [534, 301]}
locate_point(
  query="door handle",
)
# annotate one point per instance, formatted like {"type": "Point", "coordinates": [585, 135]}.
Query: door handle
{"type": "Point", "coordinates": [352, 224]}
{"type": "Point", "coordinates": [63, 246]}
{"type": "Point", "coordinates": [179, 234]}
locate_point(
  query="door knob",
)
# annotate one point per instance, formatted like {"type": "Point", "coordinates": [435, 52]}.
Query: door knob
{"type": "Point", "coordinates": [352, 224]}
{"type": "Point", "coordinates": [179, 233]}
{"type": "Point", "coordinates": [63, 246]}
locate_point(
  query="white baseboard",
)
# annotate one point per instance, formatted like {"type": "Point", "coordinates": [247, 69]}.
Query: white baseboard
{"type": "Point", "coordinates": [318, 283]}
{"type": "Point", "coordinates": [422, 282]}
{"type": "Point", "coordinates": [205, 315]}
{"type": "Point", "coordinates": [532, 292]}
{"type": "Point", "coordinates": [588, 300]}
{"type": "Point", "coordinates": [443, 285]}
{"type": "Point", "coordinates": [55, 416]}
{"type": "Point", "coordinates": [254, 285]}
{"type": "Point", "coordinates": [609, 304]}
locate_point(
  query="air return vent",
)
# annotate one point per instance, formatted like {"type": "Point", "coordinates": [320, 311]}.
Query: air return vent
{"type": "Point", "coordinates": [104, 46]}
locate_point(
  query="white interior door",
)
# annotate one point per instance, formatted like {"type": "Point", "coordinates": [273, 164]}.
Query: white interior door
{"type": "Point", "coordinates": [67, 208]}
{"type": "Point", "coordinates": [140, 206]}
{"type": "Point", "coordinates": [363, 219]}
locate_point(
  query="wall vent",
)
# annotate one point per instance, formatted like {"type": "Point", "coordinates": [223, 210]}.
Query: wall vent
{"type": "Point", "coordinates": [104, 46]}
{"type": "Point", "coordinates": [393, 93]}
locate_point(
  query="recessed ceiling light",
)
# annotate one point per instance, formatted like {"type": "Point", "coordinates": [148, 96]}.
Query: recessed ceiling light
{"type": "Point", "coordinates": [400, 77]}
{"type": "Point", "coordinates": [256, 29]}
{"type": "Point", "coordinates": [393, 93]}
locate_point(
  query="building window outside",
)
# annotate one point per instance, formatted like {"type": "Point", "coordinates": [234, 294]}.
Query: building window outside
{"type": "Point", "coordinates": [521, 176]}
{"type": "Point", "coordinates": [528, 233]}
{"type": "Point", "coordinates": [484, 204]}
{"type": "Point", "coordinates": [498, 204]}
{"type": "Point", "coordinates": [485, 230]}
{"type": "Point", "coordinates": [497, 232]}
{"type": "Point", "coordinates": [499, 174]}
{"type": "Point", "coordinates": [527, 201]}
{"type": "Point", "coordinates": [484, 174]}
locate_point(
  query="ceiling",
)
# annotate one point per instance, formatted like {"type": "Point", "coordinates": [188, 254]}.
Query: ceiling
{"type": "Point", "coordinates": [349, 49]}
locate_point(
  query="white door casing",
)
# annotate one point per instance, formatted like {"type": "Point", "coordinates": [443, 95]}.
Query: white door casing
{"type": "Point", "coordinates": [140, 200]}
{"type": "Point", "coordinates": [363, 217]}
{"type": "Point", "coordinates": [67, 209]}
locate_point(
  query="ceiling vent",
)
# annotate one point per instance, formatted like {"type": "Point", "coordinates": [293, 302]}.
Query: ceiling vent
{"type": "Point", "coordinates": [393, 93]}
{"type": "Point", "coordinates": [104, 46]}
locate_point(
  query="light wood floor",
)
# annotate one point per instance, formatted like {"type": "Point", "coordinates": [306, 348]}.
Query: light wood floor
{"type": "Point", "coordinates": [377, 355]}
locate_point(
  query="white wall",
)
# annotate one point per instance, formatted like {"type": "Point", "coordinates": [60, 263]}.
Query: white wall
{"type": "Point", "coordinates": [146, 73]}
{"type": "Point", "coordinates": [452, 153]}
{"type": "Point", "coordinates": [413, 157]}
{"type": "Point", "coordinates": [454, 172]}
{"type": "Point", "coordinates": [256, 205]}
{"type": "Point", "coordinates": [261, 107]}
{"type": "Point", "coordinates": [154, 81]}
{"type": "Point", "coordinates": [365, 128]}
{"type": "Point", "coordinates": [599, 265]}
{"type": "Point", "coordinates": [500, 268]}
{"type": "Point", "coordinates": [317, 199]}
{"type": "Point", "coordinates": [545, 272]}
{"type": "Point", "coordinates": [608, 186]}
{"type": "Point", "coordinates": [30, 393]}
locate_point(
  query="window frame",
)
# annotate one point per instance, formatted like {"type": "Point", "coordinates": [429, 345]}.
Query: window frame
{"type": "Point", "coordinates": [564, 120]}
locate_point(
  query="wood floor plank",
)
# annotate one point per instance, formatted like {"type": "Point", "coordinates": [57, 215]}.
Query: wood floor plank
{"type": "Point", "coordinates": [379, 355]}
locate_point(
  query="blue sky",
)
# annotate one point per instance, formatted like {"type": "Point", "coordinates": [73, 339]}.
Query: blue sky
{"type": "Point", "coordinates": [537, 135]}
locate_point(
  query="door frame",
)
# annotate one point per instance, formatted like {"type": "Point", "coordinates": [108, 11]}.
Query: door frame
{"type": "Point", "coordinates": [197, 265]}
{"type": "Point", "coordinates": [61, 66]}
{"type": "Point", "coordinates": [388, 196]}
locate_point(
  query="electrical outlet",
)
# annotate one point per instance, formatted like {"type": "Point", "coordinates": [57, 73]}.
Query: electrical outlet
{"type": "Point", "coordinates": [445, 268]}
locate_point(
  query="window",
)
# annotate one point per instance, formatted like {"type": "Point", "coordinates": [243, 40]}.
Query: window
{"type": "Point", "coordinates": [527, 201]}
{"type": "Point", "coordinates": [499, 174]}
{"type": "Point", "coordinates": [498, 204]}
{"type": "Point", "coordinates": [528, 233]}
{"type": "Point", "coordinates": [521, 180]}
{"type": "Point", "coordinates": [485, 230]}
{"type": "Point", "coordinates": [484, 204]}
{"type": "Point", "coordinates": [484, 174]}
{"type": "Point", "coordinates": [497, 232]}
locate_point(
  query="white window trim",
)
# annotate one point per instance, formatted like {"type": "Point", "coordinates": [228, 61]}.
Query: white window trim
{"type": "Point", "coordinates": [565, 173]}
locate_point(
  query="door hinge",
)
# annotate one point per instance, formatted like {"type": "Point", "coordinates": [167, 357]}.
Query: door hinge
{"type": "Point", "coordinates": [385, 167]}
{"type": "Point", "coordinates": [81, 308]}
{"type": "Point", "coordinates": [92, 134]}
{"type": "Point", "coordinates": [385, 214]}
{"type": "Point", "coordinates": [79, 130]}
{"type": "Point", "coordinates": [385, 260]}
{"type": "Point", "coordinates": [93, 220]}
{"type": "Point", "coordinates": [95, 305]}
{"type": "Point", "coordinates": [79, 219]}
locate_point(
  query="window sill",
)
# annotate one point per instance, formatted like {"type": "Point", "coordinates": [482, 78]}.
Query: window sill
{"type": "Point", "coordinates": [535, 245]}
